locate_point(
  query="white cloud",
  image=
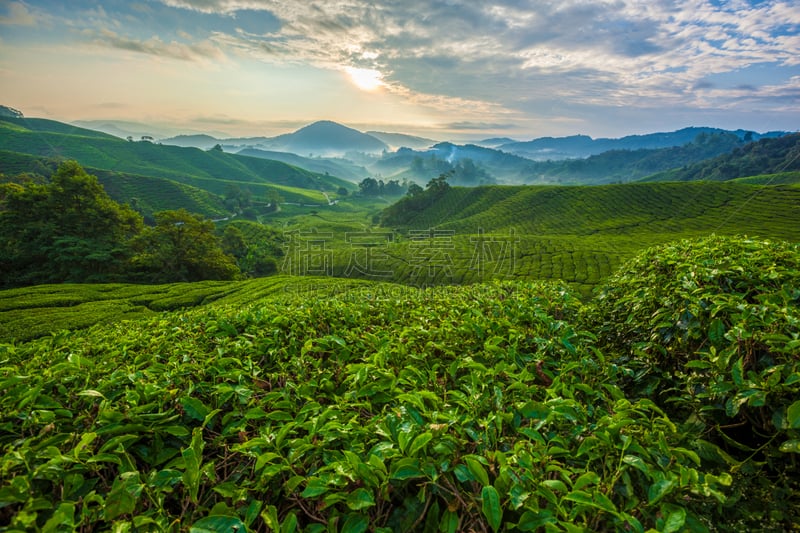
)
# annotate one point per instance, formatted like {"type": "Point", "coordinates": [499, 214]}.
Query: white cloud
{"type": "Point", "coordinates": [18, 14]}
{"type": "Point", "coordinates": [479, 60]}
{"type": "Point", "coordinates": [154, 46]}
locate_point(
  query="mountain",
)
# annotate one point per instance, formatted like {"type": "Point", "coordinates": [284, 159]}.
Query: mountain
{"type": "Point", "coordinates": [495, 142]}
{"type": "Point", "coordinates": [475, 165]}
{"type": "Point", "coordinates": [125, 128]}
{"type": "Point", "coordinates": [766, 156]}
{"type": "Point", "coordinates": [323, 138]}
{"type": "Point", "coordinates": [401, 140]}
{"type": "Point", "coordinates": [578, 146]}
{"type": "Point", "coordinates": [327, 138]}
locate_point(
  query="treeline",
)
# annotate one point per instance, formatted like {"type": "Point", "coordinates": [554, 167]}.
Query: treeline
{"type": "Point", "coordinates": [415, 201]}
{"type": "Point", "coordinates": [68, 229]}
{"type": "Point", "coordinates": [765, 156]}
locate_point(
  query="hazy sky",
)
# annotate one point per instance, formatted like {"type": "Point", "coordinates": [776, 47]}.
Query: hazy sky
{"type": "Point", "coordinates": [445, 69]}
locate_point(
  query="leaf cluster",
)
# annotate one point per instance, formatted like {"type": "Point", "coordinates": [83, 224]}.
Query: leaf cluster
{"type": "Point", "coordinates": [502, 406]}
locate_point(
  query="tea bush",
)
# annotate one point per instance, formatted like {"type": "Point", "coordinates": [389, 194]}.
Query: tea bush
{"type": "Point", "coordinates": [506, 406]}
{"type": "Point", "coordinates": [711, 329]}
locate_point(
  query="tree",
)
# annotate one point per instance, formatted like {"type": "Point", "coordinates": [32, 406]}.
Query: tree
{"type": "Point", "coordinates": [182, 247]}
{"type": "Point", "coordinates": [370, 187]}
{"type": "Point", "coordinates": [68, 230]}
{"type": "Point", "coordinates": [440, 184]}
{"type": "Point", "coordinates": [414, 189]}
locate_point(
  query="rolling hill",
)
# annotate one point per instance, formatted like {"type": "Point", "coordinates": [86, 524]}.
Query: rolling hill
{"type": "Point", "coordinates": [146, 194]}
{"type": "Point", "coordinates": [766, 156]}
{"type": "Point", "coordinates": [213, 171]}
{"type": "Point", "coordinates": [341, 168]}
{"type": "Point", "coordinates": [579, 146]}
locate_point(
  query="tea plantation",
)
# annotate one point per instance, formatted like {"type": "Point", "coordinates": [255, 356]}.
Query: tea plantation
{"type": "Point", "coordinates": [668, 402]}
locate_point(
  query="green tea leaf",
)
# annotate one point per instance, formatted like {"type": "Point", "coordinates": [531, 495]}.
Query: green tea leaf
{"type": "Point", "coordinates": [716, 331]}
{"type": "Point", "coordinates": [195, 408]}
{"type": "Point", "coordinates": [793, 415]}
{"type": "Point", "coordinates": [659, 489]}
{"type": "Point", "coordinates": [449, 522]}
{"type": "Point", "coordinates": [477, 470]}
{"type": "Point", "coordinates": [355, 523]}
{"type": "Point", "coordinates": [791, 446]}
{"type": "Point", "coordinates": [675, 519]}
{"type": "Point", "coordinates": [419, 442]}
{"type": "Point", "coordinates": [490, 507]}
{"type": "Point", "coordinates": [218, 524]}
{"type": "Point", "coordinates": [360, 499]}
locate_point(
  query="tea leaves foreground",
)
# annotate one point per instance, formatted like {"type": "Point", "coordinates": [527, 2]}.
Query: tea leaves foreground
{"type": "Point", "coordinates": [669, 402]}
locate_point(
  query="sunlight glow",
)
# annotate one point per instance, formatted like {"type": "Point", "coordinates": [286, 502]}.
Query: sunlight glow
{"type": "Point", "coordinates": [366, 79]}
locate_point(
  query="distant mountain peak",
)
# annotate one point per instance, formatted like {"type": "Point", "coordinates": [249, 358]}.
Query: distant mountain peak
{"type": "Point", "coordinates": [326, 137]}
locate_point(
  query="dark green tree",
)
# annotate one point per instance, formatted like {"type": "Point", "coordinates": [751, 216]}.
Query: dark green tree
{"type": "Point", "coordinates": [370, 187]}
{"type": "Point", "coordinates": [181, 247]}
{"type": "Point", "coordinates": [68, 230]}
{"type": "Point", "coordinates": [414, 189]}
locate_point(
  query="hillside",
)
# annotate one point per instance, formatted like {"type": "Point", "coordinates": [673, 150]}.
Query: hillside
{"type": "Point", "coordinates": [612, 166]}
{"type": "Point", "coordinates": [210, 170]}
{"type": "Point", "coordinates": [341, 168]}
{"type": "Point", "coordinates": [580, 146]}
{"type": "Point", "coordinates": [608, 210]}
{"type": "Point", "coordinates": [146, 193]}
{"type": "Point", "coordinates": [766, 156]}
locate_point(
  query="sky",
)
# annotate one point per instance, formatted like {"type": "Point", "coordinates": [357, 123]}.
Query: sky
{"type": "Point", "coordinates": [444, 69]}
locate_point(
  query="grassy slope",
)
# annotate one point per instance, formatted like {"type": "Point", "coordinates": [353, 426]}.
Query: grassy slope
{"type": "Point", "coordinates": [209, 170]}
{"type": "Point", "coordinates": [581, 234]}
{"type": "Point", "coordinates": [151, 194]}
{"type": "Point", "coordinates": [577, 234]}
{"type": "Point", "coordinates": [30, 312]}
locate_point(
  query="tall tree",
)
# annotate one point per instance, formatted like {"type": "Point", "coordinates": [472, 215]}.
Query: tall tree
{"type": "Point", "coordinates": [68, 230]}
{"type": "Point", "coordinates": [182, 247]}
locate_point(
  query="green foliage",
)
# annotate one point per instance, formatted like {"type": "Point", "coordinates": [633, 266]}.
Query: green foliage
{"type": "Point", "coordinates": [67, 230]}
{"type": "Point", "coordinates": [711, 331]}
{"type": "Point", "coordinates": [256, 247]}
{"type": "Point", "coordinates": [181, 247]}
{"type": "Point", "coordinates": [70, 230]}
{"type": "Point", "coordinates": [765, 156]}
{"type": "Point", "coordinates": [300, 404]}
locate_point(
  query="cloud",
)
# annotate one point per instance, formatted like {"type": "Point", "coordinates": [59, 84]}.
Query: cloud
{"type": "Point", "coordinates": [480, 126]}
{"type": "Point", "coordinates": [488, 62]}
{"type": "Point", "coordinates": [18, 14]}
{"type": "Point", "coordinates": [512, 58]}
{"type": "Point", "coordinates": [155, 46]}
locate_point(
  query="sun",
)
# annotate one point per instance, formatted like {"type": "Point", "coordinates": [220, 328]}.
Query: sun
{"type": "Point", "coordinates": [366, 79]}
